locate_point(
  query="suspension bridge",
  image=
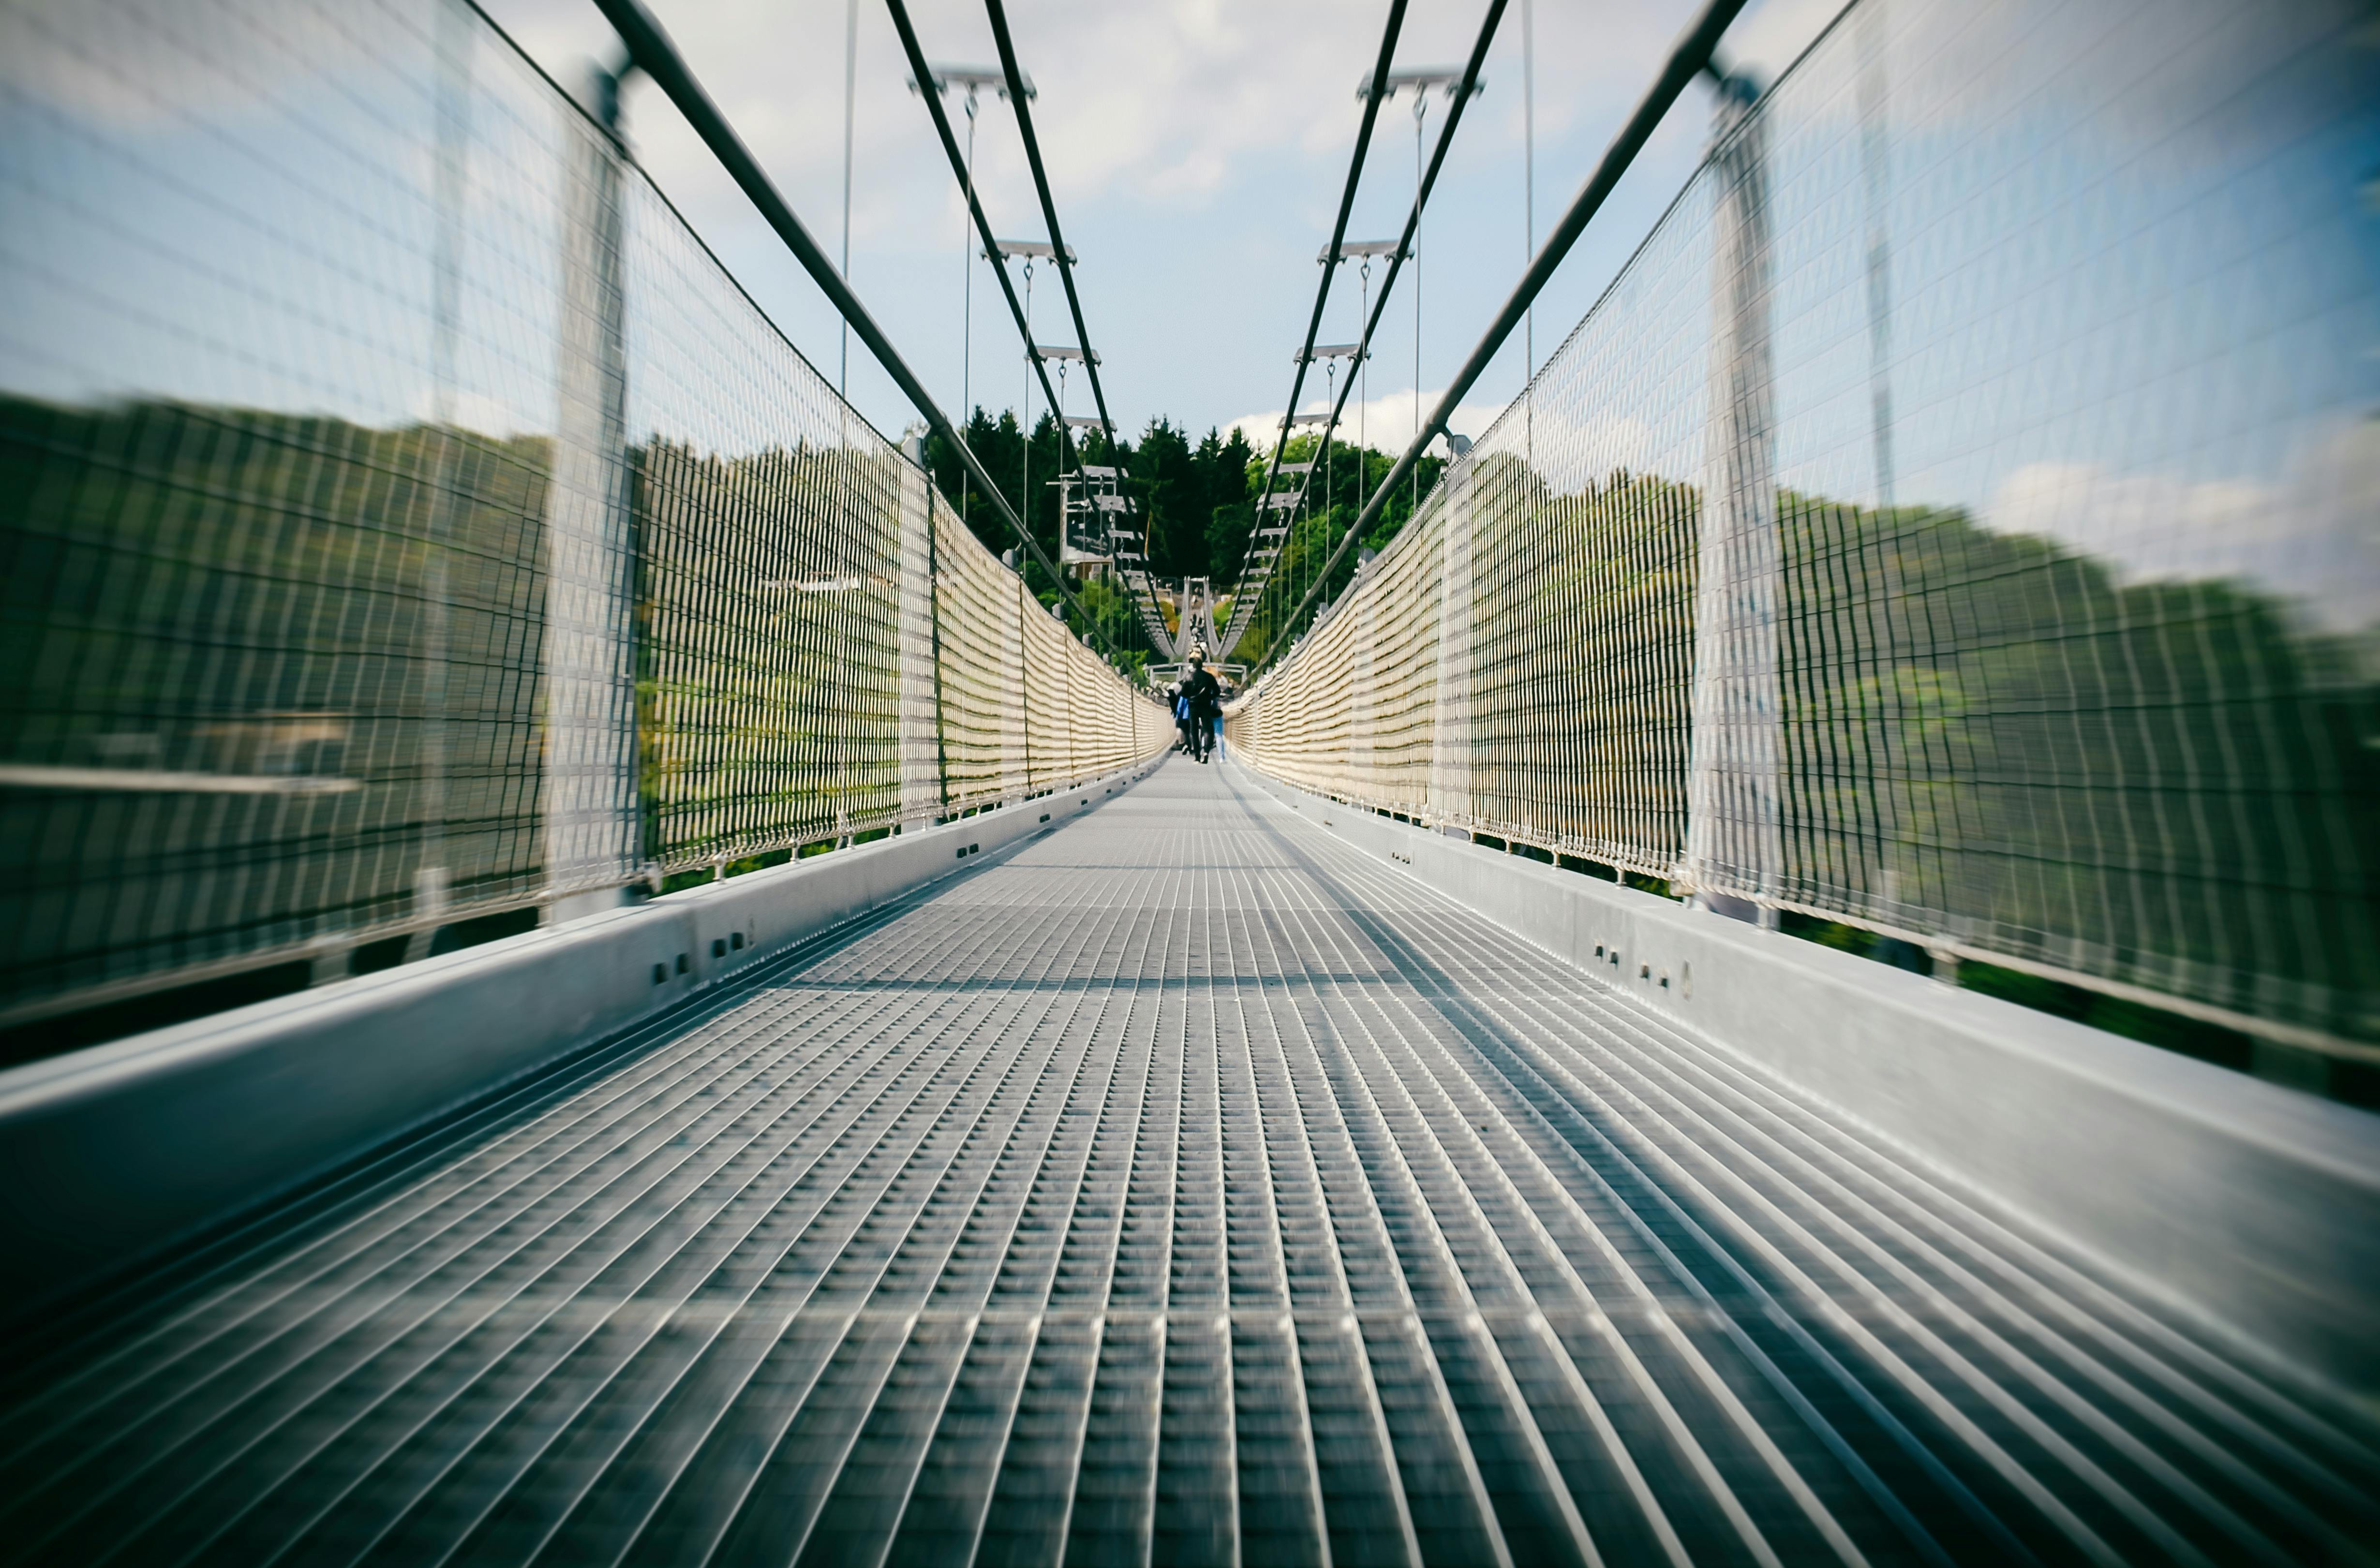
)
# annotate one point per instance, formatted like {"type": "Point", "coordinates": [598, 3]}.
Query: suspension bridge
{"type": "Point", "coordinates": [1778, 964]}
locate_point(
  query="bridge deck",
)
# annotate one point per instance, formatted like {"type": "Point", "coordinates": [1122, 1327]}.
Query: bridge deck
{"type": "Point", "coordinates": [1179, 1187]}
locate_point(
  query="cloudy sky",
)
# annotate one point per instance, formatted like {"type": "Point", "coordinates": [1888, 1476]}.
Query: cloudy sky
{"type": "Point", "coordinates": [1197, 148]}
{"type": "Point", "coordinates": [2130, 295]}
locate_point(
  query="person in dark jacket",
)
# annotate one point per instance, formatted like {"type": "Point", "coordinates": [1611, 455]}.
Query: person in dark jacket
{"type": "Point", "coordinates": [1203, 694]}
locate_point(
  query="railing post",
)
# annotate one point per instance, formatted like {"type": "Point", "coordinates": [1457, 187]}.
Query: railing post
{"type": "Point", "coordinates": [591, 766]}
{"type": "Point", "coordinates": [1450, 753]}
{"type": "Point", "coordinates": [920, 721]}
{"type": "Point", "coordinates": [1734, 816]}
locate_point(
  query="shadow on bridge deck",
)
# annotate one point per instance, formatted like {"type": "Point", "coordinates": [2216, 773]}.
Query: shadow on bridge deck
{"type": "Point", "coordinates": [1180, 1186]}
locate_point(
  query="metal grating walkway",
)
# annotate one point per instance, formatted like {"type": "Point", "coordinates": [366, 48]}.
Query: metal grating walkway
{"type": "Point", "coordinates": [1178, 1188]}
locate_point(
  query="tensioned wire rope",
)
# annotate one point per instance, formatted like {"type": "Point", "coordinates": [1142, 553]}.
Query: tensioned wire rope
{"type": "Point", "coordinates": [966, 300]}
{"type": "Point", "coordinates": [1060, 254]}
{"type": "Point", "coordinates": [1068, 449]}
{"type": "Point", "coordinates": [850, 105]}
{"type": "Point", "coordinates": [1372, 102]}
{"type": "Point", "coordinates": [1402, 251]}
{"type": "Point", "coordinates": [1025, 420]}
{"type": "Point", "coordinates": [1245, 608]}
{"type": "Point", "coordinates": [650, 46]}
{"type": "Point", "coordinates": [1688, 58]}
{"type": "Point", "coordinates": [1248, 602]}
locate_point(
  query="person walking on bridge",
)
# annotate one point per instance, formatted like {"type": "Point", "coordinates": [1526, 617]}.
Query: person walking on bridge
{"type": "Point", "coordinates": [1203, 695]}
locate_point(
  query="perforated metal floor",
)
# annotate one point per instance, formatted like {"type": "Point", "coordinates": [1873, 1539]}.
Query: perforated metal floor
{"type": "Point", "coordinates": [1180, 1187]}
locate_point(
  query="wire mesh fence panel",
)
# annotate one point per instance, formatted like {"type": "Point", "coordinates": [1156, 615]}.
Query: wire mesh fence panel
{"type": "Point", "coordinates": [981, 682]}
{"type": "Point", "coordinates": [1043, 700]}
{"type": "Point", "coordinates": [1026, 707]}
{"type": "Point", "coordinates": [407, 519]}
{"type": "Point", "coordinates": [1295, 722]}
{"type": "Point", "coordinates": [1361, 705]}
{"type": "Point", "coordinates": [276, 393]}
{"type": "Point", "coordinates": [1083, 719]}
{"type": "Point", "coordinates": [2075, 475]}
{"type": "Point", "coordinates": [1956, 519]}
{"type": "Point", "coordinates": [767, 532]}
{"type": "Point", "coordinates": [1122, 724]}
{"type": "Point", "coordinates": [1584, 497]}
{"type": "Point", "coordinates": [1396, 725]}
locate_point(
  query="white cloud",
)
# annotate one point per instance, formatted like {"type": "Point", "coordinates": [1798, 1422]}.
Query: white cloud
{"type": "Point", "coordinates": [1197, 148]}
{"type": "Point", "coordinates": [1571, 447]}
{"type": "Point", "coordinates": [142, 72]}
{"type": "Point", "coordinates": [497, 416]}
{"type": "Point", "coordinates": [1163, 102]}
{"type": "Point", "coordinates": [2312, 535]}
{"type": "Point", "coordinates": [1172, 102]}
{"type": "Point", "coordinates": [1385, 424]}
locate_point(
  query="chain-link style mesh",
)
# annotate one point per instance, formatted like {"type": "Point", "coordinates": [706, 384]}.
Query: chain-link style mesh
{"type": "Point", "coordinates": [404, 518]}
{"type": "Point", "coordinates": [981, 669]}
{"type": "Point", "coordinates": [1956, 519]}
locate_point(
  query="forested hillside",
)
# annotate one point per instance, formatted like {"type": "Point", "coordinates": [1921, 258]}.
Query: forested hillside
{"type": "Point", "coordinates": [1197, 502]}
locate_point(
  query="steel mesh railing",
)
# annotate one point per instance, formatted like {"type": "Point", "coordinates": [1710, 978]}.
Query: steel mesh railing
{"type": "Point", "coordinates": [1021, 711]}
{"type": "Point", "coordinates": [769, 535]}
{"type": "Point", "coordinates": [407, 519]}
{"type": "Point", "coordinates": [1955, 520]}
